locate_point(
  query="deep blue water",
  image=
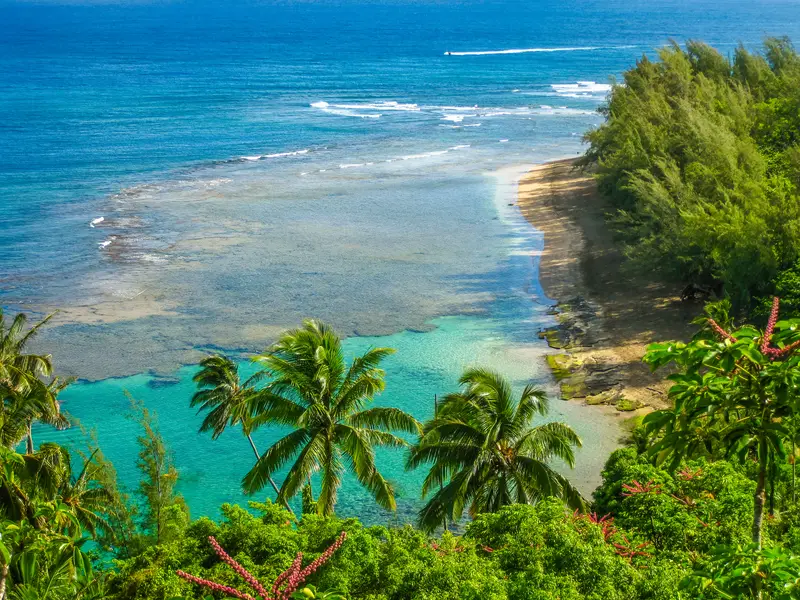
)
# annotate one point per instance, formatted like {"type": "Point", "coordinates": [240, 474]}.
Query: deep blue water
{"type": "Point", "coordinates": [256, 163]}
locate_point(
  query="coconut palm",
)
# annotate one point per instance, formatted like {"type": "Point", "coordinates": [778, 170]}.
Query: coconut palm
{"type": "Point", "coordinates": [19, 369]}
{"type": "Point", "coordinates": [485, 453]}
{"type": "Point", "coordinates": [25, 405]}
{"type": "Point", "coordinates": [47, 476]}
{"type": "Point", "coordinates": [324, 401]}
{"type": "Point", "coordinates": [227, 400]}
{"type": "Point", "coordinates": [24, 397]}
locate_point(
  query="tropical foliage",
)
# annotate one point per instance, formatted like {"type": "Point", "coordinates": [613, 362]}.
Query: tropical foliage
{"type": "Point", "coordinates": [228, 400]}
{"type": "Point", "coordinates": [312, 390]}
{"type": "Point", "coordinates": [735, 395]}
{"type": "Point", "coordinates": [25, 398]}
{"type": "Point", "coordinates": [48, 514]}
{"type": "Point", "coordinates": [485, 453]}
{"type": "Point", "coordinates": [700, 159]}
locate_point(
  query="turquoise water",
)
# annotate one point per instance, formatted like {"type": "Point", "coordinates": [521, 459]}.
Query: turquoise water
{"type": "Point", "coordinates": [182, 178]}
{"type": "Point", "coordinates": [427, 363]}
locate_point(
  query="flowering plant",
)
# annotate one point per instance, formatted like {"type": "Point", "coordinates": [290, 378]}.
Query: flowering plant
{"type": "Point", "coordinates": [284, 587]}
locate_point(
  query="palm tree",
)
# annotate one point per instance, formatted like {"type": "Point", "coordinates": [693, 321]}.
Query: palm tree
{"type": "Point", "coordinates": [47, 476]}
{"type": "Point", "coordinates": [17, 368]}
{"type": "Point", "coordinates": [325, 401]}
{"type": "Point", "coordinates": [485, 454]}
{"type": "Point", "coordinates": [228, 400]}
{"type": "Point", "coordinates": [36, 402]}
{"type": "Point", "coordinates": [24, 397]}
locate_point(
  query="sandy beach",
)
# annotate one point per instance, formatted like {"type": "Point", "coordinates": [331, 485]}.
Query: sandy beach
{"type": "Point", "coordinates": [608, 316]}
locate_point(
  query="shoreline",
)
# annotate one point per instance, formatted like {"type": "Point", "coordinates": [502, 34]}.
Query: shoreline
{"type": "Point", "coordinates": [606, 316]}
{"type": "Point", "coordinates": [476, 340]}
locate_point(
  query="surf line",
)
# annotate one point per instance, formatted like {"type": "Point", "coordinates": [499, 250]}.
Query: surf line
{"type": "Point", "coordinates": [526, 50]}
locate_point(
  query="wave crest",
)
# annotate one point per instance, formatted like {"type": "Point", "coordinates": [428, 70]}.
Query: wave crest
{"type": "Point", "coordinates": [527, 50]}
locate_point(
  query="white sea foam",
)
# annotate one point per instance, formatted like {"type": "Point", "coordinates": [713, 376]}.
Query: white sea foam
{"type": "Point", "coordinates": [332, 109]}
{"type": "Point", "coordinates": [503, 141]}
{"type": "Point", "coordinates": [563, 111]}
{"type": "Point", "coordinates": [454, 118]}
{"type": "Point", "coordinates": [581, 89]}
{"type": "Point", "coordinates": [352, 165]}
{"type": "Point", "coordinates": [363, 110]}
{"type": "Point", "coordinates": [526, 50]}
{"type": "Point", "coordinates": [424, 155]}
{"type": "Point", "coordinates": [387, 105]}
{"type": "Point", "coordinates": [456, 108]}
{"type": "Point", "coordinates": [96, 221]}
{"type": "Point", "coordinates": [277, 155]}
{"type": "Point", "coordinates": [435, 152]}
{"type": "Point", "coordinates": [343, 112]}
{"type": "Point", "coordinates": [105, 244]}
{"type": "Point", "coordinates": [521, 51]}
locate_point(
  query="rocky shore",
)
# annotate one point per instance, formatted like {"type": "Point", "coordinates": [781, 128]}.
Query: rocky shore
{"type": "Point", "coordinates": [607, 315]}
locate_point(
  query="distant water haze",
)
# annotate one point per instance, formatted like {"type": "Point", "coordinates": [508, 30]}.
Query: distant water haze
{"type": "Point", "coordinates": [179, 179]}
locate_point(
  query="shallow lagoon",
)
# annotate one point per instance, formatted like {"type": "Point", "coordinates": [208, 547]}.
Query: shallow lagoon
{"type": "Point", "coordinates": [502, 335]}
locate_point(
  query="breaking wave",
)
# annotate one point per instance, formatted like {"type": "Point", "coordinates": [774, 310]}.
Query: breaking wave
{"type": "Point", "coordinates": [581, 89]}
{"type": "Point", "coordinates": [527, 50]}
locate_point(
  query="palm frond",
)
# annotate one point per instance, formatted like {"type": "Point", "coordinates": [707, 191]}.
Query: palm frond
{"type": "Point", "coordinates": [387, 419]}
{"type": "Point", "coordinates": [548, 440]}
{"type": "Point", "coordinates": [331, 479]}
{"type": "Point", "coordinates": [448, 502]}
{"type": "Point", "coordinates": [364, 379]}
{"type": "Point", "coordinates": [273, 459]}
{"type": "Point", "coordinates": [310, 460]}
{"type": "Point", "coordinates": [532, 402]}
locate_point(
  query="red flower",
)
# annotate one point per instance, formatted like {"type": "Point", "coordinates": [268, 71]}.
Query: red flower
{"type": "Point", "coordinates": [766, 350]}
{"type": "Point", "coordinates": [688, 475]}
{"type": "Point", "coordinates": [289, 580]}
{"type": "Point", "coordinates": [720, 330]}
{"type": "Point", "coordinates": [629, 551]}
{"type": "Point", "coordinates": [637, 488]}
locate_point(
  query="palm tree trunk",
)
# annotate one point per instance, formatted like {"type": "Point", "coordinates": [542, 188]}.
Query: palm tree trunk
{"type": "Point", "coordinates": [3, 577]}
{"type": "Point", "coordinates": [29, 439]}
{"type": "Point", "coordinates": [771, 496]}
{"type": "Point", "coordinates": [274, 487]}
{"type": "Point", "coordinates": [759, 497]}
{"type": "Point", "coordinates": [794, 466]}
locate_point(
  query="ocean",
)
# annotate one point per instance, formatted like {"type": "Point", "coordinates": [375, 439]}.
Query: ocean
{"type": "Point", "coordinates": [180, 178]}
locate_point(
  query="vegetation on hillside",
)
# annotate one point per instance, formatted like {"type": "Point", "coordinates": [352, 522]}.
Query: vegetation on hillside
{"type": "Point", "coordinates": [700, 159]}
{"type": "Point", "coordinates": [701, 504]}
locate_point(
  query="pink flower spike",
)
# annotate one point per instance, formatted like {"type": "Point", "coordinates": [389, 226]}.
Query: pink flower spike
{"type": "Point", "coordinates": [773, 318]}
{"type": "Point", "coordinates": [213, 585]}
{"type": "Point", "coordinates": [290, 579]}
{"type": "Point", "coordinates": [252, 581]}
{"type": "Point", "coordinates": [721, 331]}
{"type": "Point", "coordinates": [766, 350]}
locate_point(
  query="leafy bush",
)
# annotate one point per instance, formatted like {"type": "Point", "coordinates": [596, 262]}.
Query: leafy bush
{"type": "Point", "coordinates": [700, 159]}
